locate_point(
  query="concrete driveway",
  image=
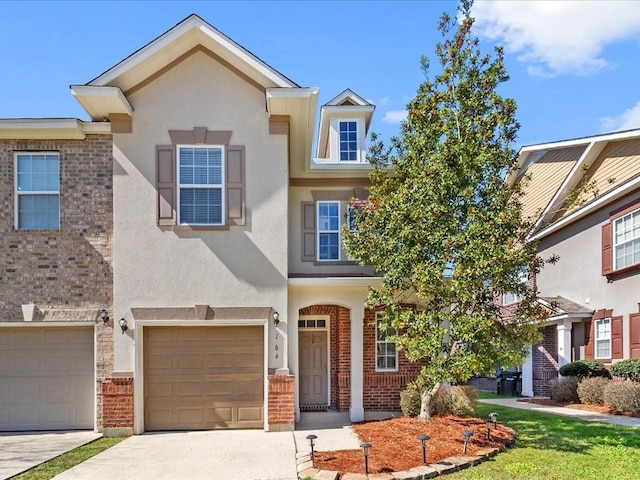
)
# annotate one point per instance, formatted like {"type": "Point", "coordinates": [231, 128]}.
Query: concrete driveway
{"type": "Point", "coordinates": [218, 454]}
{"type": "Point", "coordinates": [20, 451]}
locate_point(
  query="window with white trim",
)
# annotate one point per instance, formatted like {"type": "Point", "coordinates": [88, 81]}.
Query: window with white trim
{"type": "Point", "coordinates": [200, 185]}
{"type": "Point", "coordinates": [348, 141]}
{"type": "Point", "coordinates": [626, 240]}
{"type": "Point", "coordinates": [602, 329]}
{"type": "Point", "coordinates": [329, 244]}
{"type": "Point", "coordinates": [511, 297]}
{"type": "Point", "coordinates": [37, 191]}
{"type": "Point", "coordinates": [386, 352]}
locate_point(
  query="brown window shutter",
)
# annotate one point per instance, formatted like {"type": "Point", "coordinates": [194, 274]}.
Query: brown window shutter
{"type": "Point", "coordinates": [588, 339]}
{"type": "Point", "coordinates": [308, 231]}
{"type": "Point", "coordinates": [166, 184]}
{"type": "Point", "coordinates": [634, 329]}
{"type": "Point", "coordinates": [607, 248]}
{"type": "Point", "coordinates": [616, 337]}
{"type": "Point", "coordinates": [235, 185]}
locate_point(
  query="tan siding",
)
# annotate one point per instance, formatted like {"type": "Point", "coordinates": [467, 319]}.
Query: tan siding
{"type": "Point", "coordinates": [617, 163]}
{"type": "Point", "coordinates": [547, 174]}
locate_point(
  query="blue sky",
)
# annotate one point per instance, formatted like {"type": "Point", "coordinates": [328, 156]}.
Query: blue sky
{"type": "Point", "coordinates": [574, 65]}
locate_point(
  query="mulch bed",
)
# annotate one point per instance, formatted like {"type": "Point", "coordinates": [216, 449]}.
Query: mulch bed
{"type": "Point", "coordinates": [395, 446]}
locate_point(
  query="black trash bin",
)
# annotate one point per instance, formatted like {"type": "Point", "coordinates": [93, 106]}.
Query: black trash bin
{"type": "Point", "coordinates": [508, 383]}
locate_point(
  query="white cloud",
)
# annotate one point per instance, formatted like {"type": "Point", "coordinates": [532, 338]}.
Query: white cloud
{"type": "Point", "coordinates": [558, 37]}
{"type": "Point", "coordinates": [627, 120]}
{"type": "Point", "coordinates": [394, 116]}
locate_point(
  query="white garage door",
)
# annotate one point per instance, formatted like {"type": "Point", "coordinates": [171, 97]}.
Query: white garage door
{"type": "Point", "coordinates": [203, 378]}
{"type": "Point", "coordinates": [46, 378]}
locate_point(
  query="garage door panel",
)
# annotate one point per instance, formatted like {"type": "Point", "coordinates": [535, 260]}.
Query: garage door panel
{"type": "Point", "coordinates": [209, 379]}
{"type": "Point", "coordinates": [47, 386]}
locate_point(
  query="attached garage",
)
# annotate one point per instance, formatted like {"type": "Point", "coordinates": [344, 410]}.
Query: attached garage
{"type": "Point", "coordinates": [203, 378]}
{"type": "Point", "coordinates": [47, 378]}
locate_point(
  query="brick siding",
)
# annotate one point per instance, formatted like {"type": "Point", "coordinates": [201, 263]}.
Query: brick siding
{"type": "Point", "coordinates": [281, 406]}
{"type": "Point", "coordinates": [117, 400]}
{"type": "Point", "coordinates": [545, 361]}
{"type": "Point", "coordinates": [69, 268]}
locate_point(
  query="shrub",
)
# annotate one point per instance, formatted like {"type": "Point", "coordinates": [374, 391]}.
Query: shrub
{"type": "Point", "coordinates": [584, 369]}
{"type": "Point", "coordinates": [591, 390]}
{"type": "Point", "coordinates": [564, 389]}
{"type": "Point", "coordinates": [459, 400]}
{"type": "Point", "coordinates": [627, 369]}
{"type": "Point", "coordinates": [623, 396]}
{"type": "Point", "coordinates": [410, 401]}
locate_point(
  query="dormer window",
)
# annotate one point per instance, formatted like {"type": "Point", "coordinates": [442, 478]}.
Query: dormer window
{"type": "Point", "coordinates": [348, 141]}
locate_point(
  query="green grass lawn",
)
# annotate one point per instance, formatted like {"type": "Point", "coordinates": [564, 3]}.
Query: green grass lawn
{"type": "Point", "coordinates": [67, 460]}
{"type": "Point", "coordinates": [550, 447]}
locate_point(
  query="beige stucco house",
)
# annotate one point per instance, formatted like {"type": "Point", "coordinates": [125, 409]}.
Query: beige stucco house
{"type": "Point", "coordinates": [584, 196]}
{"type": "Point", "coordinates": [182, 251]}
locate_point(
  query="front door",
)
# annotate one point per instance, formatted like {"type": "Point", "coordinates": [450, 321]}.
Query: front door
{"type": "Point", "coordinates": [313, 367]}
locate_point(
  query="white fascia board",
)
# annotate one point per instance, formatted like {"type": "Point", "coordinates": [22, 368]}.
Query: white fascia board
{"type": "Point", "coordinates": [334, 281]}
{"type": "Point", "coordinates": [333, 110]}
{"type": "Point", "coordinates": [96, 128]}
{"type": "Point", "coordinates": [587, 209]}
{"type": "Point", "coordinates": [609, 137]}
{"type": "Point", "coordinates": [50, 128]}
{"type": "Point", "coordinates": [348, 93]}
{"type": "Point", "coordinates": [107, 93]}
{"type": "Point", "coordinates": [291, 92]}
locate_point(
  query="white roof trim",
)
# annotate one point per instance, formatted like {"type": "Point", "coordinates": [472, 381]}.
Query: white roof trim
{"type": "Point", "coordinates": [609, 137]}
{"type": "Point", "coordinates": [50, 128]}
{"type": "Point", "coordinates": [278, 92]}
{"type": "Point", "coordinates": [99, 102]}
{"type": "Point", "coordinates": [190, 23]}
{"type": "Point", "coordinates": [347, 94]}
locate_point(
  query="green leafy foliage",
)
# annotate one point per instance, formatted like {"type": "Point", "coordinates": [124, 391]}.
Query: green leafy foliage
{"type": "Point", "coordinates": [459, 400]}
{"type": "Point", "coordinates": [410, 401]}
{"type": "Point", "coordinates": [442, 226]}
{"type": "Point", "coordinates": [591, 390]}
{"type": "Point", "coordinates": [627, 369]}
{"type": "Point", "coordinates": [623, 396]}
{"type": "Point", "coordinates": [584, 369]}
{"type": "Point", "coordinates": [564, 389]}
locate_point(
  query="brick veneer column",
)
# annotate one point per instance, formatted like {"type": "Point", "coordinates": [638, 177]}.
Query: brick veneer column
{"type": "Point", "coordinates": [117, 406]}
{"type": "Point", "coordinates": [545, 361]}
{"type": "Point", "coordinates": [281, 403]}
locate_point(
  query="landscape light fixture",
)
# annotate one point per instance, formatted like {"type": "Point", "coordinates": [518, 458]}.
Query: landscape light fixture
{"type": "Point", "coordinates": [423, 437]}
{"type": "Point", "coordinates": [123, 325]}
{"type": "Point", "coordinates": [467, 434]}
{"type": "Point", "coordinates": [365, 449]}
{"type": "Point", "coordinates": [494, 418]}
{"type": "Point", "coordinates": [312, 442]}
{"type": "Point", "coordinates": [490, 425]}
{"type": "Point", "coordinates": [104, 316]}
{"type": "Point", "coordinates": [276, 318]}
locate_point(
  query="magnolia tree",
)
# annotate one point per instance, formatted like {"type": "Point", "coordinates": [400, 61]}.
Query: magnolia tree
{"type": "Point", "coordinates": [442, 227]}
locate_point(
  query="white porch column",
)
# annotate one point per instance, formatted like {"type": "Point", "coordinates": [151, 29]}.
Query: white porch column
{"type": "Point", "coordinates": [356, 410]}
{"type": "Point", "coordinates": [564, 342]}
{"type": "Point", "coordinates": [527, 374]}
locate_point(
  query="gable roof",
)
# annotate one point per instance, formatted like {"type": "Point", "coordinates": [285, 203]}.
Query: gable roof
{"type": "Point", "coordinates": [570, 178]}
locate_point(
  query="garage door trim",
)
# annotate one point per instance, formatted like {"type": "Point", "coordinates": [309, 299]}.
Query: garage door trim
{"type": "Point", "coordinates": [138, 379]}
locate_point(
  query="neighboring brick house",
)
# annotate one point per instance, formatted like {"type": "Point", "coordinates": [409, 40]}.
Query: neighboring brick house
{"type": "Point", "coordinates": [584, 196]}
{"type": "Point", "coordinates": [192, 211]}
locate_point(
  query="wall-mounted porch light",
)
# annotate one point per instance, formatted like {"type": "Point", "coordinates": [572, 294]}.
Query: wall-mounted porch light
{"type": "Point", "coordinates": [123, 325]}
{"type": "Point", "coordinates": [276, 318]}
{"type": "Point", "coordinates": [103, 316]}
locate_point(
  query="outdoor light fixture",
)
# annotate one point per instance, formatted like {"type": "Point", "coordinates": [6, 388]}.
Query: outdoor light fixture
{"type": "Point", "coordinates": [312, 442]}
{"type": "Point", "coordinates": [467, 434]}
{"type": "Point", "coordinates": [365, 449]}
{"type": "Point", "coordinates": [104, 316]}
{"type": "Point", "coordinates": [423, 437]}
{"type": "Point", "coordinates": [494, 418]}
{"type": "Point", "coordinates": [490, 425]}
{"type": "Point", "coordinates": [276, 318]}
{"type": "Point", "coordinates": [123, 325]}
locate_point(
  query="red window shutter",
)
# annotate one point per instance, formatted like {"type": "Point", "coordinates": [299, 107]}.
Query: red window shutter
{"type": "Point", "coordinates": [166, 184]}
{"type": "Point", "coordinates": [616, 337]}
{"type": "Point", "coordinates": [607, 248]}
{"type": "Point", "coordinates": [235, 185]}
{"type": "Point", "coordinates": [588, 339]}
{"type": "Point", "coordinates": [308, 231]}
{"type": "Point", "coordinates": [634, 341]}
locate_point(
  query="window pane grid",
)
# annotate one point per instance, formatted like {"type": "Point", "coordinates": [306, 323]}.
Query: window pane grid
{"type": "Point", "coordinates": [626, 240]}
{"type": "Point", "coordinates": [348, 141]}
{"type": "Point", "coordinates": [328, 230]}
{"type": "Point", "coordinates": [201, 185]}
{"type": "Point", "coordinates": [603, 338]}
{"type": "Point", "coordinates": [37, 184]}
{"type": "Point", "coordinates": [386, 352]}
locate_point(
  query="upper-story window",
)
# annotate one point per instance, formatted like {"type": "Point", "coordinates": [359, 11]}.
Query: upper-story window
{"type": "Point", "coordinates": [602, 328]}
{"type": "Point", "coordinates": [511, 297]}
{"type": "Point", "coordinates": [328, 230]}
{"type": "Point", "coordinates": [386, 351]}
{"type": "Point", "coordinates": [201, 185]}
{"type": "Point", "coordinates": [37, 191]}
{"type": "Point", "coordinates": [626, 240]}
{"type": "Point", "coordinates": [348, 141]}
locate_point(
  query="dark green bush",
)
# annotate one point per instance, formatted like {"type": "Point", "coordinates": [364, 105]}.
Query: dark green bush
{"type": "Point", "coordinates": [622, 395]}
{"type": "Point", "coordinates": [564, 389]}
{"type": "Point", "coordinates": [627, 369]}
{"type": "Point", "coordinates": [410, 401]}
{"type": "Point", "coordinates": [584, 369]}
{"type": "Point", "coordinates": [591, 390]}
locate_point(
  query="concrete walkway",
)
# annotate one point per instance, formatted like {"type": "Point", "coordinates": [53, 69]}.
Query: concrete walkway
{"type": "Point", "coordinates": [567, 412]}
{"type": "Point", "coordinates": [20, 451]}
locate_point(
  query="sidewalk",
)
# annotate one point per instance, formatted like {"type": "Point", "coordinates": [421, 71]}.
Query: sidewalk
{"type": "Point", "coordinates": [567, 412]}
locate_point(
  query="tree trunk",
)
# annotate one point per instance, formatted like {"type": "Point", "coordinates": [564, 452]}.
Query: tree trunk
{"type": "Point", "coordinates": [425, 405]}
